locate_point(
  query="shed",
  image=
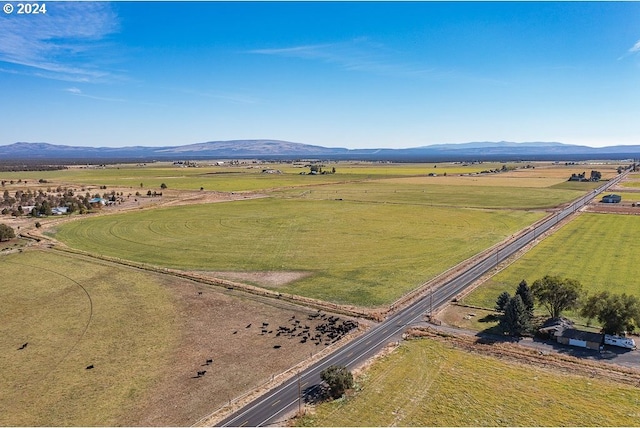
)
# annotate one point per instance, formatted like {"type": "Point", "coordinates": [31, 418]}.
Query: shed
{"type": "Point", "coordinates": [583, 339]}
{"type": "Point", "coordinates": [611, 199]}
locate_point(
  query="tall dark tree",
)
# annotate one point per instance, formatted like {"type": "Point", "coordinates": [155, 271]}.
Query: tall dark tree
{"type": "Point", "coordinates": [339, 379]}
{"type": "Point", "coordinates": [616, 313]}
{"type": "Point", "coordinates": [502, 301]}
{"type": "Point", "coordinates": [557, 294]}
{"type": "Point", "coordinates": [516, 320]}
{"type": "Point", "coordinates": [6, 232]}
{"type": "Point", "coordinates": [524, 291]}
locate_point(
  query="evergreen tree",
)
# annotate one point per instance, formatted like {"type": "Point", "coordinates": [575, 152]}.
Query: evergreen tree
{"type": "Point", "coordinates": [516, 320]}
{"type": "Point", "coordinates": [502, 301]}
{"type": "Point", "coordinates": [524, 291]}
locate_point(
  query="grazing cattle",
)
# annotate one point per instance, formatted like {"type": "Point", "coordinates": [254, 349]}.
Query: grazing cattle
{"type": "Point", "coordinates": [277, 346]}
{"type": "Point", "coordinates": [23, 346]}
{"type": "Point", "coordinates": [89, 367]}
{"type": "Point", "coordinates": [202, 373]}
{"type": "Point", "coordinates": [209, 361]}
{"type": "Point", "coordinates": [199, 293]}
{"type": "Point", "coordinates": [248, 326]}
{"type": "Point", "coordinates": [235, 332]}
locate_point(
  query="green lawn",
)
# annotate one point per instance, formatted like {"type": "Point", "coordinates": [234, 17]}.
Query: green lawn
{"type": "Point", "coordinates": [74, 313]}
{"type": "Point", "coordinates": [599, 250]}
{"type": "Point", "coordinates": [358, 253]}
{"type": "Point", "coordinates": [429, 383]}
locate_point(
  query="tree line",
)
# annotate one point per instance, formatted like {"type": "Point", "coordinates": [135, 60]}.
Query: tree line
{"type": "Point", "coordinates": [616, 313]}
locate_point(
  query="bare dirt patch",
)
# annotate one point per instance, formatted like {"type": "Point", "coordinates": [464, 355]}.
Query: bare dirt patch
{"type": "Point", "coordinates": [266, 279]}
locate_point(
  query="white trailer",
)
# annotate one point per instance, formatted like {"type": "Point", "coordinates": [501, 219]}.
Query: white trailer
{"type": "Point", "coordinates": [623, 342]}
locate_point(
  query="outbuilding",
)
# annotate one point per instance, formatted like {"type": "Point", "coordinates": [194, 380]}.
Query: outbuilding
{"type": "Point", "coordinates": [583, 339]}
{"type": "Point", "coordinates": [611, 199]}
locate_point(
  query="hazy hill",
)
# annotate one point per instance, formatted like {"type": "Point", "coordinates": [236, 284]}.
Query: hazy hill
{"type": "Point", "coordinates": [276, 149]}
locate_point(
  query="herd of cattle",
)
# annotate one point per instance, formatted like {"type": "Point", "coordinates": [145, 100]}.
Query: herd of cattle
{"type": "Point", "coordinates": [328, 329]}
{"type": "Point", "coordinates": [324, 330]}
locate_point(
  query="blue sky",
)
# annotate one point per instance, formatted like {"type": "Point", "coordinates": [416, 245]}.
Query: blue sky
{"type": "Point", "coordinates": [336, 74]}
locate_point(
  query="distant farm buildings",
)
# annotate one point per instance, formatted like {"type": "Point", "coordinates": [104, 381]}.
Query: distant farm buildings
{"type": "Point", "coordinates": [611, 199]}
{"type": "Point", "coordinates": [594, 176]}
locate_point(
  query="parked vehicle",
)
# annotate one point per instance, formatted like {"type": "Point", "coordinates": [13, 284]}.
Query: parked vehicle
{"type": "Point", "coordinates": [623, 342]}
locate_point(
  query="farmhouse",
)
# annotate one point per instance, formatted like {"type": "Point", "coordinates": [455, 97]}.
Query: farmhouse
{"type": "Point", "coordinates": [583, 339]}
{"type": "Point", "coordinates": [611, 199]}
{"type": "Point", "coordinates": [60, 210]}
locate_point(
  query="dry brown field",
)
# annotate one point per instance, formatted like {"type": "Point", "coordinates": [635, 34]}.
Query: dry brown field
{"type": "Point", "coordinates": [146, 336]}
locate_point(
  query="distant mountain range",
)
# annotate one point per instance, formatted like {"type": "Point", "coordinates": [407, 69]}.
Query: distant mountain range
{"type": "Point", "coordinates": [285, 150]}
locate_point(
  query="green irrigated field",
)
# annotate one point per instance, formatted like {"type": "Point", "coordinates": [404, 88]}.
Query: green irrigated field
{"type": "Point", "coordinates": [357, 253]}
{"type": "Point", "coordinates": [457, 192]}
{"type": "Point", "coordinates": [599, 250]}
{"type": "Point", "coordinates": [249, 177]}
{"type": "Point", "coordinates": [428, 383]}
{"type": "Point", "coordinates": [72, 314]}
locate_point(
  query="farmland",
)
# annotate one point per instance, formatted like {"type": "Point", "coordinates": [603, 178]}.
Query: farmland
{"type": "Point", "coordinates": [363, 236]}
{"type": "Point", "coordinates": [249, 176]}
{"type": "Point", "coordinates": [430, 382]}
{"type": "Point", "coordinates": [599, 250]}
{"type": "Point", "coordinates": [146, 335]}
{"type": "Point", "coordinates": [307, 225]}
{"type": "Point", "coordinates": [71, 314]}
{"type": "Point", "coordinates": [371, 265]}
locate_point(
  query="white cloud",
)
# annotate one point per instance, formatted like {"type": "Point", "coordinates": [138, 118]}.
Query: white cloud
{"type": "Point", "coordinates": [62, 44]}
{"type": "Point", "coordinates": [636, 47]}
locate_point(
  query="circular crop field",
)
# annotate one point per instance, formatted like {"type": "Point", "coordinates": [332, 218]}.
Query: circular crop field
{"type": "Point", "coordinates": [357, 253]}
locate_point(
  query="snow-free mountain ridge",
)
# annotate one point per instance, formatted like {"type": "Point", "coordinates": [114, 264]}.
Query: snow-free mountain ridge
{"type": "Point", "coordinates": [286, 150]}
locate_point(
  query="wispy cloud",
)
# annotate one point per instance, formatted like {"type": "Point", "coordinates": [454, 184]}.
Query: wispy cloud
{"type": "Point", "coordinates": [60, 45]}
{"type": "Point", "coordinates": [78, 92]}
{"type": "Point", "coordinates": [355, 55]}
{"type": "Point", "coordinates": [635, 48]}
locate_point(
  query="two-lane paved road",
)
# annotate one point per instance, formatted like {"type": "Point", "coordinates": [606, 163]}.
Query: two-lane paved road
{"type": "Point", "coordinates": [272, 407]}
